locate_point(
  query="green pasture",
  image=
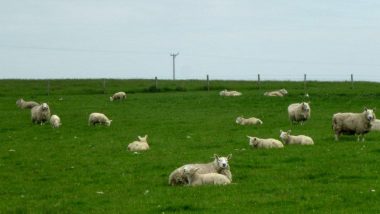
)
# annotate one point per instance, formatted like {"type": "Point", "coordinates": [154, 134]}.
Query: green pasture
{"type": "Point", "coordinates": [83, 169]}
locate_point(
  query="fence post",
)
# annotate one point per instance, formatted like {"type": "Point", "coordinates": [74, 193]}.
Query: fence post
{"type": "Point", "coordinates": [304, 83]}
{"type": "Point", "coordinates": [104, 86]}
{"type": "Point", "coordinates": [208, 83]}
{"type": "Point", "coordinates": [48, 87]}
{"type": "Point", "coordinates": [352, 81]}
{"type": "Point", "coordinates": [155, 82]}
{"type": "Point", "coordinates": [258, 81]}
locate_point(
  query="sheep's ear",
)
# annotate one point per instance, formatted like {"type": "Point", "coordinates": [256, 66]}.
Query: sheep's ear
{"type": "Point", "coordinates": [216, 156]}
{"type": "Point", "coordinates": [195, 169]}
{"type": "Point", "coordinates": [229, 156]}
{"type": "Point", "coordinates": [281, 131]}
{"type": "Point", "coordinates": [365, 109]}
{"type": "Point", "coordinates": [249, 137]}
{"type": "Point", "coordinates": [289, 131]}
{"type": "Point", "coordinates": [374, 109]}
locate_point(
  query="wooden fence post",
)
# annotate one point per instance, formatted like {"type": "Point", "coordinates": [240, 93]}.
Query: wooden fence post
{"type": "Point", "coordinates": [48, 87]}
{"type": "Point", "coordinates": [304, 83]}
{"type": "Point", "coordinates": [155, 83]}
{"type": "Point", "coordinates": [258, 81]}
{"type": "Point", "coordinates": [208, 83]}
{"type": "Point", "coordinates": [104, 86]}
{"type": "Point", "coordinates": [352, 81]}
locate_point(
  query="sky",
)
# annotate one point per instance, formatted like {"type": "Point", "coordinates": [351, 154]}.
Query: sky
{"type": "Point", "coordinates": [327, 40]}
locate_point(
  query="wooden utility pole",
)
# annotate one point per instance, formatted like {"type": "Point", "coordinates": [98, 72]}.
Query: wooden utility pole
{"type": "Point", "coordinates": [174, 56]}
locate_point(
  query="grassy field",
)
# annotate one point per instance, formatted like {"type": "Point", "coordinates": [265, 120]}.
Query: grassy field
{"type": "Point", "coordinates": [82, 169]}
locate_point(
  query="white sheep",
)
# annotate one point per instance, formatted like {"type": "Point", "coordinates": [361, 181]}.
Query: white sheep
{"type": "Point", "coordinates": [118, 96]}
{"type": "Point", "coordinates": [229, 93]}
{"type": "Point", "coordinates": [375, 125]}
{"type": "Point", "coordinates": [21, 103]}
{"type": "Point", "coordinates": [268, 143]}
{"type": "Point", "coordinates": [196, 179]}
{"type": "Point", "coordinates": [40, 114]}
{"type": "Point", "coordinates": [299, 112]}
{"type": "Point", "coordinates": [278, 93]}
{"type": "Point", "coordinates": [140, 145]}
{"type": "Point", "coordinates": [353, 123]}
{"type": "Point", "coordinates": [55, 121]}
{"type": "Point", "coordinates": [100, 118]}
{"type": "Point", "coordinates": [219, 165]}
{"type": "Point", "coordinates": [249, 121]}
{"type": "Point", "coordinates": [295, 139]}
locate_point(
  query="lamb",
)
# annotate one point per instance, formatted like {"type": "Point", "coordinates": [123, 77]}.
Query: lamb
{"type": "Point", "coordinates": [21, 103]}
{"type": "Point", "coordinates": [219, 165]}
{"type": "Point", "coordinates": [249, 121]}
{"type": "Point", "coordinates": [40, 114]}
{"type": "Point", "coordinates": [99, 118]}
{"type": "Point", "coordinates": [141, 145]}
{"type": "Point", "coordinates": [295, 139]}
{"type": "Point", "coordinates": [375, 125]}
{"type": "Point", "coordinates": [196, 179]}
{"type": "Point", "coordinates": [55, 121]}
{"type": "Point", "coordinates": [256, 142]}
{"type": "Point", "coordinates": [118, 96]}
{"type": "Point", "coordinates": [353, 123]}
{"type": "Point", "coordinates": [229, 93]}
{"type": "Point", "coordinates": [299, 112]}
{"type": "Point", "coordinates": [278, 93]}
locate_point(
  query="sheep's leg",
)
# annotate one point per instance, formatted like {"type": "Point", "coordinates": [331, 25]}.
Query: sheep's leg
{"type": "Point", "coordinates": [336, 137]}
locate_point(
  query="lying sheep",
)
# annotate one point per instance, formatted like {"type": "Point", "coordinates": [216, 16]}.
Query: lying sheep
{"type": "Point", "coordinates": [118, 96]}
{"type": "Point", "coordinates": [55, 121]}
{"type": "Point", "coordinates": [278, 93]}
{"type": "Point", "coordinates": [229, 93]}
{"type": "Point", "coordinates": [219, 165]}
{"type": "Point", "coordinates": [256, 142]}
{"type": "Point", "coordinates": [99, 118]}
{"type": "Point", "coordinates": [21, 103]}
{"type": "Point", "coordinates": [40, 114]}
{"type": "Point", "coordinates": [140, 145]}
{"type": "Point", "coordinates": [353, 123]}
{"type": "Point", "coordinates": [375, 125]}
{"type": "Point", "coordinates": [295, 139]}
{"type": "Point", "coordinates": [196, 179]}
{"type": "Point", "coordinates": [299, 112]}
{"type": "Point", "coordinates": [250, 121]}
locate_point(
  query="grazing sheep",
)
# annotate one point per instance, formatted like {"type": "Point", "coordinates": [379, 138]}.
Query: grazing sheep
{"type": "Point", "coordinates": [140, 145]}
{"type": "Point", "coordinates": [353, 123]}
{"type": "Point", "coordinates": [375, 125]}
{"type": "Point", "coordinates": [250, 121]}
{"type": "Point", "coordinates": [99, 118]}
{"type": "Point", "coordinates": [299, 112]}
{"type": "Point", "coordinates": [219, 165]}
{"type": "Point", "coordinates": [295, 139]}
{"type": "Point", "coordinates": [40, 114]}
{"type": "Point", "coordinates": [256, 142]}
{"type": "Point", "coordinates": [21, 103]}
{"type": "Point", "coordinates": [196, 179]}
{"type": "Point", "coordinates": [229, 93]}
{"type": "Point", "coordinates": [118, 96]}
{"type": "Point", "coordinates": [55, 121]}
{"type": "Point", "coordinates": [278, 93]}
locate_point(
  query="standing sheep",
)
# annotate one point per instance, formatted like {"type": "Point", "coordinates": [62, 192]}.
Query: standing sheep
{"type": "Point", "coordinates": [21, 103]}
{"type": "Point", "coordinates": [219, 165]}
{"type": "Point", "coordinates": [196, 179]}
{"type": "Point", "coordinates": [295, 139]}
{"type": "Point", "coordinates": [141, 145]}
{"type": "Point", "coordinates": [299, 112]}
{"type": "Point", "coordinates": [99, 118]}
{"type": "Point", "coordinates": [278, 93]}
{"type": "Point", "coordinates": [353, 123]}
{"type": "Point", "coordinates": [40, 114]}
{"type": "Point", "coordinates": [250, 121]}
{"type": "Point", "coordinates": [269, 143]}
{"type": "Point", "coordinates": [55, 121]}
{"type": "Point", "coordinates": [118, 96]}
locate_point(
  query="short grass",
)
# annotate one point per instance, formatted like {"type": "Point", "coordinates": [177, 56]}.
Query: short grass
{"type": "Point", "coordinates": [82, 169]}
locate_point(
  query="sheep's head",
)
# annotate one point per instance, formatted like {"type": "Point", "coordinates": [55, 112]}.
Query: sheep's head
{"type": "Point", "coordinates": [252, 141]}
{"type": "Point", "coordinates": [284, 135]}
{"type": "Point", "coordinates": [143, 139]}
{"type": "Point", "coordinates": [283, 91]}
{"type": "Point", "coordinates": [370, 114]}
{"type": "Point", "coordinates": [189, 170]}
{"type": "Point", "coordinates": [108, 122]}
{"type": "Point", "coordinates": [44, 106]}
{"type": "Point", "coordinates": [259, 122]}
{"type": "Point", "coordinates": [111, 99]}
{"type": "Point", "coordinates": [305, 107]}
{"type": "Point", "coordinates": [222, 162]}
{"type": "Point", "coordinates": [238, 120]}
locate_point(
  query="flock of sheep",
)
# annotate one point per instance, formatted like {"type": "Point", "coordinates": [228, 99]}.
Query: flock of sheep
{"type": "Point", "coordinates": [218, 171]}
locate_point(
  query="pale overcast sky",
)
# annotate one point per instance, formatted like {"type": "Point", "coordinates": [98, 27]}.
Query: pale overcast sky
{"type": "Point", "coordinates": [234, 39]}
